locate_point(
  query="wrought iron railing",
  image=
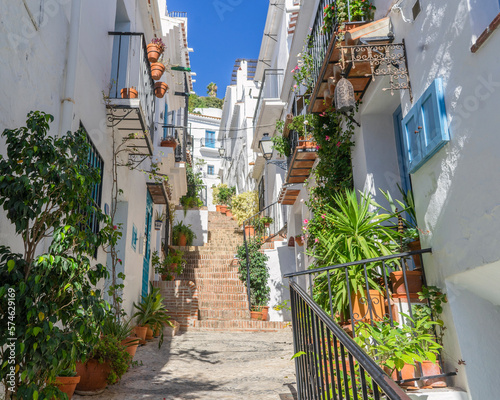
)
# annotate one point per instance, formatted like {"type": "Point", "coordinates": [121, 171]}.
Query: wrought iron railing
{"type": "Point", "coordinates": [375, 299]}
{"type": "Point", "coordinates": [319, 40]}
{"type": "Point", "coordinates": [177, 14]}
{"type": "Point", "coordinates": [270, 89]}
{"type": "Point", "coordinates": [329, 364]}
{"type": "Point", "coordinates": [131, 69]}
{"type": "Point", "coordinates": [264, 226]}
{"type": "Point", "coordinates": [179, 133]}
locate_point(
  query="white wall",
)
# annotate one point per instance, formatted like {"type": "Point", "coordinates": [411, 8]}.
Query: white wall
{"type": "Point", "coordinates": [198, 219]}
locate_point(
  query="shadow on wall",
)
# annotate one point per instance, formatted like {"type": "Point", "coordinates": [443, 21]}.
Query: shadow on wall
{"type": "Point", "coordinates": [198, 219]}
{"type": "Point", "coordinates": [286, 257]}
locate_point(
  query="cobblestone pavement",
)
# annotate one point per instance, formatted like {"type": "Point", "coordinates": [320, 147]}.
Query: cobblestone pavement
{"type": "Point", "coordinates": [210, 365]}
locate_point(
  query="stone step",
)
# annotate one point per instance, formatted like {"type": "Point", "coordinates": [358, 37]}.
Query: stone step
{"type": "Point", "coordinates": [239, 325]}
{"type": "Point", "coordinates": [224, 297]}
{"type": "Point", "coordinates": [229, 314]}
{"type": "Point", "coordinates": [221, 304]}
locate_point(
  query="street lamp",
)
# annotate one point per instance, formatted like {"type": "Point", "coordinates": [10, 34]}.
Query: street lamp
{"type": "Point", "coordinates": [266, 147]}
{"type": "Point", "coordinates": [222, 151]}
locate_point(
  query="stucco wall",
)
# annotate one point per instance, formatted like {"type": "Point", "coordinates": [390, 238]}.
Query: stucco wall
{"type": "Point", "coordinates": [198, 219]}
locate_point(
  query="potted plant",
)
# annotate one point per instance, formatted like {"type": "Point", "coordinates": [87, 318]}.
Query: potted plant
{"type": "Point", "coordinates": [245, 205]}
{"type": "Point", "coordinates": [129, 93]}
{"type": "Point", "coordinates": [66, 381]}
{"type": "Point", "coordinates": [169, 141]}
{"type": "Point", "coordinates": [155, 49]}
{"type": "Point", "coordinates": [160, 89]}
{"type": "Point", "coordinates": [282, 145]}
{"type": "Point", "coordinates": [400, 347]}
{"type": "Point", "coordinates": [182, 234]}
{"type": "Point", "coordinates": [299, 240]}
{"type": "Point", "coordinates": [259, 275]}
{"type": "Point", "coordinates": [159, 217]}
{"type": "Point", "coordinates": [151, 312]}
{"type": "Point", "coordinates": [172, 265]}
{"type": "Point", "coordinates": [106, 363]}
{"type": "Point", "coordinates": [267, 221]}
{"type": "Point", "coordinates": [350, 232]}
{"type": "Point", "coordinates": [121, 329]}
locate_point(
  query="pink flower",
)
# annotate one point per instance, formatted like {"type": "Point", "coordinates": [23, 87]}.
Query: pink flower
{"type": "Point", "coordinates": [120, 260]}
{"type": "Point", "coordinates": [303, 238]}
{"type": "Point", "coordinates": [115, 227]}
{"type": "Point", "coordinates": [323, 216]}
{"type": "Point", "coordinates": [338, 144]}
{"type": "Point", "coordinates": [327, 138]}
{"type": "Point", "coordinates": [316, 240]}
{"type": "Point", "coordinates": [322, 114]}
{"type": "Point", "coordinates": [306, 221]}
{"type": "Point", "coordinates": [317, 147]}
{"type": "Point", "coordinates": [296, 68]}
{"type": "Point", "coordinates": [295, 86]}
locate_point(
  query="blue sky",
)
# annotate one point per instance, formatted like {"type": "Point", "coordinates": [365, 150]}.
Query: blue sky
{"type": "Point", "coordinates": [220, 31]}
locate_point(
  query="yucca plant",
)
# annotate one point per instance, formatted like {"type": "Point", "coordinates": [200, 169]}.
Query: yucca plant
{"type": "Point", "coordinates": [116, 327]}
{"type": "Point", "coordinates": [354, 232]}
{"type": "Point", "coordinates": [152, 312]}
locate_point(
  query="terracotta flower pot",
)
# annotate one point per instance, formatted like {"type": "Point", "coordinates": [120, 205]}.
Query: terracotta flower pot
{"type": "Point", "coordinates": [67, 384]}
{"type": "Point", "coordinates": [182, 239]}
{"type": "Point", "coordinates": [168, 143]}
{"type": "Point", "coordinates": [408, 372]}
{"type": "Point", "coordinates": [160, 89]}
{"type": "Point", "coordinates": [149, 334]}
{"type": "Point", "coordinates": [299, 241]}
{"type": "Point", "coordinates": [229, 213]}
{"type": "Point", "coordinates": [93, 377]}
{"type": "Point", "coordinates": [129, 93]}
{"type": "Point", "coordinates": [140, 332]}
{"type": "Point", "coordinates": [153, 52]}
{"type": "Point", "coordinates": [265, 313]}
{"type": "Point", "coordinates": [429, 369]}
{"type": "Point", "coordinates": [157, 70]}
{"type": "Point", "coordinates": [223, 209]}
{"type": "Point", "coordinates": [249, 231]}
{"type": "Point", "coordinates": [361, 310]}
{"type": "Point", "coordinates": [131, 343]}
{"type": "Point", "coordinates": [414, 246]}
{"type": "Point", "coordinates": [413, 278]}
{"type": "Point", "coordinates": [217, 208]}
{"type": "Point", "coordinates": [256, 315]}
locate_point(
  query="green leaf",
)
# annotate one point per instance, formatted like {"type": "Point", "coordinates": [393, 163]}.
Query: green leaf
{"type": "Point", "coordinates": [35, 395]}
{"type": "Point", "coordinates": [36, 331]}
{"type": "Point", "coordinates": [298, 354]}
{"type": "Point", "coordinates": [10, 265]}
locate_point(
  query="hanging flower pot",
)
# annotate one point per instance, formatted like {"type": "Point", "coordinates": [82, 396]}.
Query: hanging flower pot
{"type": "Point", "coordinates": [157, 70]}
{"type": "Point", "coordinates": [169, 142]}
{"type": "Point", "coordinates": [129, 93]}
{"type": "Point", "coordinates": [153, 52]}
{"type": "Point", "coordinates": [158, 224]}
{"type": "Point", "coordinates": [160, 89]}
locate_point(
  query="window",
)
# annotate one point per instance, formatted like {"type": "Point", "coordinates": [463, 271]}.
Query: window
{"type": "Point", "coordinates": [210, 139]}
{"type": "Point", "coordinates": [481, 13]}
{"type": "Point", "coordinates": [210, 170]}
{"type": "Point", "coordinates": [425, 127]}
{"type": "Point", "coordinates": [95, 160]}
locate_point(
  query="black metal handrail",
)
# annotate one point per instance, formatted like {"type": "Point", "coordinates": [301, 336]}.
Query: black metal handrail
{"type": "Point", "coordinates": [131, 68]}
{"type": "Point", "coordinates": [256, 228]}
{"type": "Point", "coordinates": [329, 364]}
{"type": "Point", "coordinates": [270, 88]}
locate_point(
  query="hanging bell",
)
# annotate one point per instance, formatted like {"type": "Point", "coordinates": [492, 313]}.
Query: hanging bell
{"type": "Point", "coordinates": [344, 96]}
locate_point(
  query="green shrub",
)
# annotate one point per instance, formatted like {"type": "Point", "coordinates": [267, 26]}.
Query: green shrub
{"type": "Point", "coordinates": [259, 273]}
{"type": "Point", "coordinates": [245, 205]}
{"type": "Point", "coordinates": [179, 229]}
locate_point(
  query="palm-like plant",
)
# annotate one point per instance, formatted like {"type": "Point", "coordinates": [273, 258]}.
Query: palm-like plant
{"type": "Point", "coordinates": [354, 233]}
{"type": "Point", "coordinates": [152, 312]}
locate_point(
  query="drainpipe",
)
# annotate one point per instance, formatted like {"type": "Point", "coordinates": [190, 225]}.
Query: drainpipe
{"type": "Point", "coordinates": [68, 101]}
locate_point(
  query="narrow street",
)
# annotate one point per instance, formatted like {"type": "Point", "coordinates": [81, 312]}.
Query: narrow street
{"type": "Point", "coordinates": [210, 365]}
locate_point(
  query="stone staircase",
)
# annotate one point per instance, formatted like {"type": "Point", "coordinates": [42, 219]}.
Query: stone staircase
{"type": "Point", "coordinates": [212, 274]}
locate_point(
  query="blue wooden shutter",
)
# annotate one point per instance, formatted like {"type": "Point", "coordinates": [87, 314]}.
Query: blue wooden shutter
{"type": "Point", "coordinates": [425, 127]}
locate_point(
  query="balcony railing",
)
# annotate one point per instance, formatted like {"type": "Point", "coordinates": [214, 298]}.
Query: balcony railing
{"type": "Point", "coordinates": [303, 154]}
{"type": "Point", "coordinates": [131, 69]}
{"type": "Point", "coordinates": [177, 14]}
{"type": "Point", "coordinates": [318, 334]}
{"type": "Point", "coordinates": [179, 133]}
{"type": "Point", "coordinates": [270, 89]}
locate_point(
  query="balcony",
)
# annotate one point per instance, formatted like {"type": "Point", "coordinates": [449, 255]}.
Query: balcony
{"type": "Point", "coordinates": [175, 134]}
{"type": "Point", "coordinates": [269, 105]}
{"type": "Point", "coordinates": [361, 51]}
{"type": "Point", "coordinates": [303, 154]}
{"type": "Point", "coordinates": [131, 103]}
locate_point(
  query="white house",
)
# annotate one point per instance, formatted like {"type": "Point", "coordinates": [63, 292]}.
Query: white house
{"type": "Point", "coordinates": [236, 130]}
{"type": "Point", "coordinates": [72, 60]}
{"type": "Point", "coordinates": [204, 125]}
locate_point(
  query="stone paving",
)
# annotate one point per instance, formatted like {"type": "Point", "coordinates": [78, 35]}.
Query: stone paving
{"type": "Point", "coordinates": [210, 365]}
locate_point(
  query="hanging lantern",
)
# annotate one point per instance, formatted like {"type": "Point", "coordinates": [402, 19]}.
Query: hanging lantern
{"type": "Point", "coordinates": [344, 96]}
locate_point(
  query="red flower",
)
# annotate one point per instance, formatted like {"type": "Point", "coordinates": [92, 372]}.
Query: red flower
{"type": "Point", "coordinates": [115, 227]}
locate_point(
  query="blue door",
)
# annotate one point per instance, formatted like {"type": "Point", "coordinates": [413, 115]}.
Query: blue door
{"type": "Point", "coordinates": [147, 246]}
{"type": "Point", "coordinates": [402, 154]}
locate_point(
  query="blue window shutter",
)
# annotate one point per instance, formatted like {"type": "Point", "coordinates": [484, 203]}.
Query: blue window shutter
{"type": "Point", "coordinates": [425, 127]}
{"type": "Point", "coordinates": [413, 145]}
{"type": "Point", "coordinates": [434, 122]}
